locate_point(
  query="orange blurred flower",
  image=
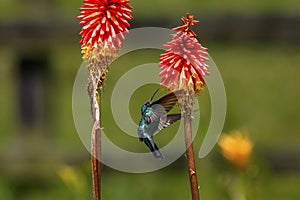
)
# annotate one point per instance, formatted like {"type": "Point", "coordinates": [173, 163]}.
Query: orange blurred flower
{"type": "Point", "coordinates": [236, 147]}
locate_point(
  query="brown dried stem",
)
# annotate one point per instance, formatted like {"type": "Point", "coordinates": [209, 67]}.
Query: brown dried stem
{"type": "Point", "coordinates": [187, 107]}
{"type": "Point", "coordinates": [96, 148]}
{"type": "Point", "coordinates": [98, 62]}
{"type": "Point", "coordinates": [96, 164]}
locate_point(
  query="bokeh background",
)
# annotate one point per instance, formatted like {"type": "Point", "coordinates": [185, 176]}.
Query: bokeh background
{"type": "Point", "coordinates": [255, 45]}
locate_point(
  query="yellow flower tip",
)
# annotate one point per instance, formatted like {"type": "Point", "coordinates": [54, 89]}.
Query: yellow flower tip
{"type": "Point", "coordinates": [199, 86]}
{"type": "Point", "coordinates": [99, 49]}
{"type": "Point", "coordinates": [191, 83]}
{"type": "Point", "coordinates": [86, 50]}
{"type": "Point", "coordinates": [236, 148]}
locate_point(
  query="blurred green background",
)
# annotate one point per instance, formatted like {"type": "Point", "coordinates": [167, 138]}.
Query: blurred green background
{"type": "Point", "coordinates": [255, 45]}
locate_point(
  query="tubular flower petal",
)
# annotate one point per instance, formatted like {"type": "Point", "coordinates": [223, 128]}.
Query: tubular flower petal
{"type": "Point", "coordinates": [103, 22]}
{"type": "Point", "coordinates": [184, 59]}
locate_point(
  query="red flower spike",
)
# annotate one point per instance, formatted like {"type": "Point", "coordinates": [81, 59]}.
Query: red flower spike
{"type": "Point", "coordinates": [104, 21]}
{"type": "Point", "coordinates": [183, 63]}
{"type": "Point", "coordinates": [187, 23]}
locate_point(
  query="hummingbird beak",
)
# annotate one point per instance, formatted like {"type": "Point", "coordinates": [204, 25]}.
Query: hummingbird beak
{"type": "Point", "coordinates": [153, 95]}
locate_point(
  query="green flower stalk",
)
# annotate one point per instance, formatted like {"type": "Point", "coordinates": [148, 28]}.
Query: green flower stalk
{"type": "Point", "coordinates": [182, 68]}
{"type": "Point", "coordinates": [104, 23]}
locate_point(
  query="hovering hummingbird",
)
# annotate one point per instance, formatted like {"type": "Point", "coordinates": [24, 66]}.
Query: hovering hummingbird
{"type": "Point", "coordinates": [155, 118]}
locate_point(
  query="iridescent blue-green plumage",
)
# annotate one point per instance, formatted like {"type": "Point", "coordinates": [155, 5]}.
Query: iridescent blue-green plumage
{"type": "Point", "coordinates": [155, 118]}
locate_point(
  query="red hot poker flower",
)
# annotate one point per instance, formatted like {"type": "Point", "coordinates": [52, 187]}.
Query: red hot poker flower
{"type": "Point", "coordinates": [187, 23]}
{"type": "Point", "coordinates": [183, 64]}
{"type": "Point", "coordinates": [104, 21]}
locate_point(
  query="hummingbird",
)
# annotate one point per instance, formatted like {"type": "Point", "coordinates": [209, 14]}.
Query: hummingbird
{"type": "Point", "coordinates": [155, 118]}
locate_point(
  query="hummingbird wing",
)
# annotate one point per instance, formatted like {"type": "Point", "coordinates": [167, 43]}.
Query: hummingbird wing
{"type": "Point", "coordinates": [160, 108]}
{"type": "Point", "coordinates": [163, 105]}
{"type": "Point", "coordinates": [150, 119]}
{"type": "Point", "coordinates": [168, 101]}
{"type": "Point", "coordinates": [168, 120]}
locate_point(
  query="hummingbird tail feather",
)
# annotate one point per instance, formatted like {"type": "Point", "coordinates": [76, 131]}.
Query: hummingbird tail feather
{"type": "Point", "coordinates": [154, 149]}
